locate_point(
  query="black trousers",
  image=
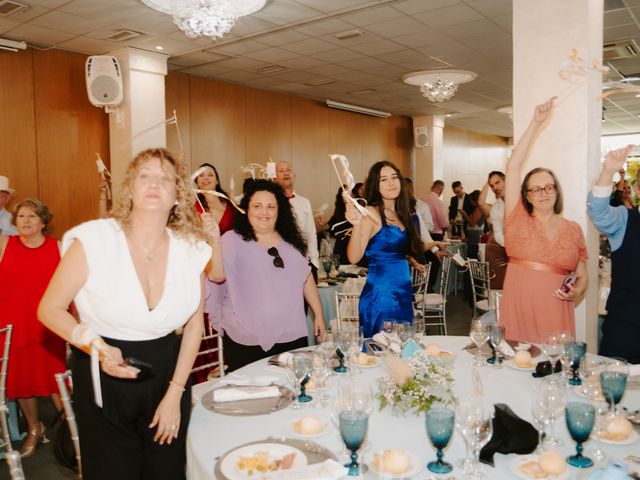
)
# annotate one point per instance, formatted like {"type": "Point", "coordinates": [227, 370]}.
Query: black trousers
{"type": "Point", "coordinates": [237, 355]}
{"type": "Point", "coordinates": [116, 442]}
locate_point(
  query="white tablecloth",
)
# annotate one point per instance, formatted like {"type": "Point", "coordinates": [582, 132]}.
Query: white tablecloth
{"type": "Point", "coordinates": [211, 435]}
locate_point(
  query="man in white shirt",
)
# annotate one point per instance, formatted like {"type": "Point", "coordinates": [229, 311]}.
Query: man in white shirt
{"type": "Point", "coordinates": [285, 177]}
{"type": "Point", "coordinates": [6, 227]}
{"type": "Point", "coordinates": [496, 254]}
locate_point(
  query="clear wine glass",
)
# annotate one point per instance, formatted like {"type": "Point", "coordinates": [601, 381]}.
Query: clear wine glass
{"type": "Point", "coordinates": [302, 366]}
{"type": "Point", "coordinates": [341, 346]}
{"type": "Point", "coordinates": [481, 433]}
{"type": "Point", "coordinates": [553, 398]}
{"type": "Point", "coordinates": [479, 335]}
{"type": "Point", "coordinates": [552, 348]}
{"type": "Point", "coordinates": [496, 335]}
{"type": "Point", "coordinates": [320, 373]}
{"type": "Point", "coordinates": [439, 423]}
{"type": "Point", "coordinates": [580, 419]}
{"type": "Point", "coordinates": [467, 413]}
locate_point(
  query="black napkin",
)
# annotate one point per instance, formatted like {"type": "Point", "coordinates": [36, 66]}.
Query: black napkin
{"type": "Point", "coordinates": [511, 434]}
{"type": "Point", "coordinates": [544, 368]}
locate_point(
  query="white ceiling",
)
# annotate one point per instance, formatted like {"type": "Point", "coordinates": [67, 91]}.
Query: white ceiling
{"type": "Point", "coordinates": [399, 36]}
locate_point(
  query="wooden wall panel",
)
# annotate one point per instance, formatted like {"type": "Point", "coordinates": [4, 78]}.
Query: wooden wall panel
{"type": "Point", "coordinates": [177, 97]}
{"type": "Point", "coordinates": [70, 131]}
{"type": "Point", "coordinates": [218, 126]}
{"type": "Point", "coordinates": [17, 124]}
{"type": "Point", "coordinates": [345, 138]}
{"type": "Point", "coordinates": [375, 148]}
{"type": "Point", "coordinates": [400, 141]}
{"type": "Point", "coordinates": [268, 120]}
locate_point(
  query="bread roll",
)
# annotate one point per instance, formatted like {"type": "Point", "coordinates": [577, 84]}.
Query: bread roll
{"type": "Point", "coordinates": [552, 463]}
{"type": "Point", "coordinates": [523, 359]}
{"type": "Point", "coordinates": [395, 462]}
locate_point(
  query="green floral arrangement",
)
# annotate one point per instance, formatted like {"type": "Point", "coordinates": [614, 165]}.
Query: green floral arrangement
{"type": "Point", "coordinates": [414, 384]}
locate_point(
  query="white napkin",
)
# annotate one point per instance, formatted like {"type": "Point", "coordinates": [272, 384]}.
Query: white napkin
{"type": "Point", "coordinates": [286, 358]}
{"type": "Point", "coordinates": [381, 339]}
{"type": "Point", "coordinates": [246, 393]}
{"type": "Point", "coordinates": [327, 470]}
{"type": "Point", "coordinates": [239, 381]}
{"type": "Point", "coordinates": [505, 348]}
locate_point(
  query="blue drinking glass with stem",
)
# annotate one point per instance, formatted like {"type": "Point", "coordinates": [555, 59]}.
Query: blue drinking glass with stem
{"type": "Point", "coordinates": [613, 381]}
{"type": "Point", "coordinates": [353, 430]}
{"type": "Point", "coordinates": [580, 419]}
{"type": "Point", "coordinates": [341, 344]}
{"type": "Point", "coordinates": [439, 422]}
{"type": "Point", "coordinates": [302, 366]}
{"type": "Point", "coordinates": [496, 335]}
{"type": "Point", "coordinates": [575, 352]}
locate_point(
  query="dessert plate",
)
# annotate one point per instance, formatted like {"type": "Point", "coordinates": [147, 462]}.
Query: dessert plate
{"type": "Point", "coordinates": [512, 364]}
{"type": "Point", "coordinates": [518, 462]}
{"type": "Point", "coordinates": [231, 467]}
{"type": "Point", "coordinates": [416, 468]}
{"type": "Point", "coordinates": [632, 438]}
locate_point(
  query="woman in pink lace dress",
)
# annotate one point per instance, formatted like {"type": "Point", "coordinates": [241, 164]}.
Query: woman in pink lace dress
{"type": "Point", "coordinates": [543, 248]}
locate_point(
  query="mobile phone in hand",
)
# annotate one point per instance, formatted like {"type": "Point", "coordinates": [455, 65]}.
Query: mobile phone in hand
{"type": "Point", "coordinates": [144, 367]}
{"type": "Point", "coordinates": [569, 281]}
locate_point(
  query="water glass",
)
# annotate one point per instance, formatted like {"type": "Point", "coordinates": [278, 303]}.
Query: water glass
{"type": "Point", "coordinates": [302, 366]}
{"type": "Point", "coordinates": [496, 336]}
{"type": "Point", "coordinates": [574, 353]}
{"type": "Point", "coordinates": [419, 326]}
{"type": "Point", "coordinates": [551, 398]}
{"type": "Point", "coordinates": [481, 433]}
{"type": "Point", "coordinates": [320, 372]}
{"type": "Point", "coordinates": [353, 430]}
{"type": "Point", "coordinates": [327, 263]}
{"type": "Point", "coordinates": [439, 423]}
{"type": "Point", "coordinates": [479, 335]}
{"type": "Point", "coordinates": [613, 382]}
{"type": "Point", "coordinates": [467, 414]}
{"type": "Point", "coordinates": [336, 261]}
{"type": "Point", "coordinates": [580, 419]}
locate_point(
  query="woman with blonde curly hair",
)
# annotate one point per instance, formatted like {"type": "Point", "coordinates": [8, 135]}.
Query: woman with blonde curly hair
{"type": "Point", "coordinates": [135, 278]}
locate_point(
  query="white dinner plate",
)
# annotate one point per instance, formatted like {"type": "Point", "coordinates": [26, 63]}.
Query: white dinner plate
{"type": "Point", "coordinates": [512, 364]}
{"type": "Point", "coordinates": [518, 462]}
{"type": "Point", "coordinates": [372, 365]}
{"type": "Point", "coordinates": [326, 429]}
{"type": "Point", "coordinates": [633, 438]}
{"type": "Point", "coordinates": [416, 468]}
{"type": "Point", "coordinates": [229, 465]}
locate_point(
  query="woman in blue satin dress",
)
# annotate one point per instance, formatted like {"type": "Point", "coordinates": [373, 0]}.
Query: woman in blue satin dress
{"type": "Point", "coordinates": [386, 237]}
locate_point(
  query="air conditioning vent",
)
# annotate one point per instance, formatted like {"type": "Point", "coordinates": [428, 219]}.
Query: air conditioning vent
{"type": "Point", "coordinates": [124, 35]}
{"type": "Point", "coordinates": [619, 49]}
{"type": "Point", "coordinates": [270, 69]}
{"type": "Point", "coordinates": [319, 82]}
{"type": "Point", "coordinates": [7, 7]}
{"type": "Point", "coordinates": [365, 91]}
{"type": "Point", "coordinates": [346, 35]}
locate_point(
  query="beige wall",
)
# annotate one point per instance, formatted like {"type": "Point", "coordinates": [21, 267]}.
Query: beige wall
{"type": "Point", "coordinates": [469, 157]}
{"type": "Point", "coordinates": [230, 125]}
{"type": "Point", "coordinates": [51, 134]}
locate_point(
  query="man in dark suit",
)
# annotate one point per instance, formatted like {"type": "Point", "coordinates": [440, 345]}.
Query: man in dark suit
{"type": "Point", "coordinates": [459, 198]}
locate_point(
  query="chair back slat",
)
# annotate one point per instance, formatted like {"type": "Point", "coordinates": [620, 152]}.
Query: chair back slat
{"type": "Point", "coordinates": [213, 351]}
{"type": "Point", "coordinates": [5, 442]}
{"type": "Point", "coordinates": [64, 384]}
{"type": "Point", "coordinates": [480, 286]}
{"type": "Point", "coordinates": [347, 310]}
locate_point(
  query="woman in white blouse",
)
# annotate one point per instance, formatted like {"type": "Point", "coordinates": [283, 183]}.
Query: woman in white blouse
{"type": "Point", "coordinates": [135, 278]}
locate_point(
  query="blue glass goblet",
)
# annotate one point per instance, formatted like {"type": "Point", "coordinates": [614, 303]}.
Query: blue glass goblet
{"type": "Point", "coordinates": [580, 419]}
{"type": "Point", "coordinates": [353, 429]}
{"type": "Point", "coordinates": [341, 344]}
{"type": "Point", "coordinates": [613, 382]}
{"type": "Point", "coordinates": [302, 366]}
{"type": "Point", "coordinates": [439, 422]}
{"type": "Point", "coordinates": [575, 351]}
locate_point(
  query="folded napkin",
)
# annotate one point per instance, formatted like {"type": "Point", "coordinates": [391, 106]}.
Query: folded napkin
{"type": "Point", "coordinates": [506, 349]}
{"type": "Point", "coordinates": [511, 434]}
{"type": "Point", "coordinates": [244, 393]}
{"type": "Point", "coordinates": [410, 349]}
{"type": "Point", "coordinates": [544, 368]}
{"type": "Point", "coordinates": [381, 339]}
{"type": "Point", "coordinates": [327, 470]}
{"type": "Point", "coordinates": [259, 381]}
{"type": "Point", "coordinates": [285, 358]}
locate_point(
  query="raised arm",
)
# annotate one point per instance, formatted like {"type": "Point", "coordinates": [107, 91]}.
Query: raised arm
{"type": "Point", "coordinates": [362, 231]}
{"type": "Point", "coordinates": [520, 153]}
{"type": "Point", "coordinates": [215, 268]}
{"type": "Point", "coordinates": [482, 200]}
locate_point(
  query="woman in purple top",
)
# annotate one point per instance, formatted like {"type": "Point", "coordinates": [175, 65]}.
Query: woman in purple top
{"type": "Point", "coordinates": [263, 264]}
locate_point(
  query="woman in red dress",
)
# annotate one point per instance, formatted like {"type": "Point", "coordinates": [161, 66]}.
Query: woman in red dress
{"type": "Point", "coordinates": [223, 213]}
{"type": "Point", "coordinates": [27, 262]}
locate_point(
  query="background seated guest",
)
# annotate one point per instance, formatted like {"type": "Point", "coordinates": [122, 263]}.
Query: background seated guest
{"type": "Point", "coordinates": [543, 248]}
{"type": "Point", "coordinates": [440, 221]}
{"type": "Point", "coordinates": [27, 263]}
{"type": "Point", "coordinates": [622, 195]}
{"type": "Point", "coordinates": [263, 264]}
{"type": "Point", "coordinates": [495, 251]}
{"type": "Point", "coordinates": [385, 242]}
{"type": "Point", "coordinates": [475, 224]}
{"type": "Point", "coordinates": [6, 226]}
{"type": "Point", "coordinates": [459, 202]}
{"type": "Point", "coordinates": [621, 329]}
{"type": "Point", "coordinates": [135, 278]}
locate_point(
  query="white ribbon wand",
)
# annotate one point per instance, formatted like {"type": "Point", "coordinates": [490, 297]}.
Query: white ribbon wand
{"type": "Point", "coordinates": [195, 175]}
{"type": "Point", "coordinates": [349, 182]}
{"type": "Point", "coordinates": [105, 174]}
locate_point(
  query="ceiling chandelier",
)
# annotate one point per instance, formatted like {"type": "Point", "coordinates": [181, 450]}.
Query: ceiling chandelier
{"type": "Point", "coordinates": [439, 85]}
{"type": "Point", "coordinates": [205, 18]}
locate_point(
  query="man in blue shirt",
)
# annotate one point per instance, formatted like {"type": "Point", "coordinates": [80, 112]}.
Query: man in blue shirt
{"type": "Point", "coordinates": [621, 329]}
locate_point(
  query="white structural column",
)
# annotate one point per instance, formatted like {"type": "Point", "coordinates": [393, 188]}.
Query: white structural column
{"type": "Point", "coordinates": [139, 122]}
{"type": "Point", "coordinates": [544, 34]}
{"type": "Point", "coordinates": [428, 161]}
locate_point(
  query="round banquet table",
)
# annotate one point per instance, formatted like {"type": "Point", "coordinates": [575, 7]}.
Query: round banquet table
{"type": "Point", "coordinates": [211, 435]}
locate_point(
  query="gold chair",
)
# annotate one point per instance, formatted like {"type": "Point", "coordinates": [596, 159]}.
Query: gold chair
{"type": "Point", "coordinates": [480, 286]}
{"type": "Point", "coordinates": [65, 385]}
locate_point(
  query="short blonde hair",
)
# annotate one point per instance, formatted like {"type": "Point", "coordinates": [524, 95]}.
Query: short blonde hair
{"type": "Point", "coordinates": [182, 219]}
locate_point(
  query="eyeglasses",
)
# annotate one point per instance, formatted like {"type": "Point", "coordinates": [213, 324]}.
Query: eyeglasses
{"type": "Point", "coordinates": [537, 191]}
{"type": "Point", "coordinates": [277, 259]}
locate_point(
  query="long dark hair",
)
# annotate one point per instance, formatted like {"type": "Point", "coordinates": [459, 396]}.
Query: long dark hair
{"type": "Point", "coordinates": [202, 196]}
{"type": "Point", "coordinates": [286, 225]}
{"type": "Point", "coordinates": [339, 210]}
{"type": "Point", "coordinates": [402, 203]}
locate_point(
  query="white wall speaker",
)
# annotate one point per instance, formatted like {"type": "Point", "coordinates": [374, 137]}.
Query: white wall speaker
{"type": "Point", "coordinates": [421, 137]}
{"type": "Point", "coordinates": [104, 81]}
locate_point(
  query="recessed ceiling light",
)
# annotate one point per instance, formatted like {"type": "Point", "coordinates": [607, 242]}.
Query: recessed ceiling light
{"type": "Point", "coordinates": [159, 47]}
{"type": "Point", "coordinates": [319, 82]}
{"type": "Point", "coordinates": [270, 69]}
{"type": "Point", "coordinates": [348, 34]}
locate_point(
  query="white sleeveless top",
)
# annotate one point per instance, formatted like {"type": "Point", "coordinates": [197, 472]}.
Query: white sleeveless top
{"type": "Point", "coordinates": [112, 301]}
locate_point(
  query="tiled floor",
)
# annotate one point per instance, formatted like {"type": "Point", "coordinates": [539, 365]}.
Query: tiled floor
{"type": "Point", "coordinates": [43, 465]}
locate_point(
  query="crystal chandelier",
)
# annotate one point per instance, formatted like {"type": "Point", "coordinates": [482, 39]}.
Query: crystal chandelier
{"type": "Point", "coordinates": [439, 91]}
{"type": "Point", "coordinates": [205, 18]}
{"type": "Point", "coordinates": [438, 85]}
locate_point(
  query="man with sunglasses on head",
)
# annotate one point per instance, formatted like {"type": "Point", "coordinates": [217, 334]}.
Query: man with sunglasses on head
{"type": "Point", "coordinates": [285, 177]}
{"type": "Point", "coordinates": [621, 225]}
